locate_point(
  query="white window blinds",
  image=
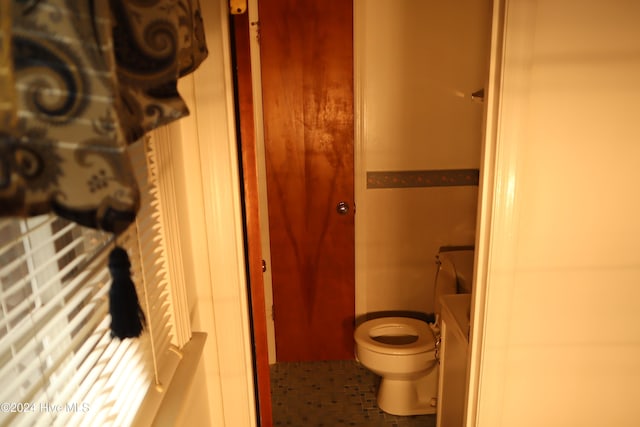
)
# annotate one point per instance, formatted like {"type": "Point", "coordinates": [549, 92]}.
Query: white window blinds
{"type": "Point", "coordinates": [58, 362]}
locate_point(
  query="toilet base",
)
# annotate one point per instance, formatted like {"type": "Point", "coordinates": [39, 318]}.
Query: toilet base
{"type": "Point", "coordinates": [404, 397]}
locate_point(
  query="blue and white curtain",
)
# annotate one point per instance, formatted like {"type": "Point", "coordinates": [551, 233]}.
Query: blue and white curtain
{"type": "Point", "coordinates": [79, 81]}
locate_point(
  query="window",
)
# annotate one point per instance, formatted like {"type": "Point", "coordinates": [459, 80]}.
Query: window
{"type": "Point", "coordinates": [58, 362]}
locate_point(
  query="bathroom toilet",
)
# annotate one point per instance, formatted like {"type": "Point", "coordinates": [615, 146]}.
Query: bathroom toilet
{"type": "Point", "coordinates": [403, 350]}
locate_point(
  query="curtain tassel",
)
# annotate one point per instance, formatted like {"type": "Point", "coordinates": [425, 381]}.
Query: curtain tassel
{"type": "Point", "coordinates": [127, 318]}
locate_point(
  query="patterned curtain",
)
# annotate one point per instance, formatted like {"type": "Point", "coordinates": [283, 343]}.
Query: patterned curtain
{"type": "Point", "coordinates": [79, 81]}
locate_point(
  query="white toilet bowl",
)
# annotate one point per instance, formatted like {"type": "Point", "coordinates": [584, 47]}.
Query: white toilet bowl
{"type": "Point", "coordinates": [402, 351]}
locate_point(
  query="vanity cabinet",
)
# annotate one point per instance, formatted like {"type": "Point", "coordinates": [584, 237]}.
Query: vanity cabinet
{"type": "Point", "coordinates": [452, 381]}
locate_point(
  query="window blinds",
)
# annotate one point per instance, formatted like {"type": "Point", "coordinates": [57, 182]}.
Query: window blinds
{"type": "Point", "coordinates": [58, 362]}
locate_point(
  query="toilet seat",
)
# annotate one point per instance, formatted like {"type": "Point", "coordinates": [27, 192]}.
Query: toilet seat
{"type": "Point", "coordinates": [394, 326]}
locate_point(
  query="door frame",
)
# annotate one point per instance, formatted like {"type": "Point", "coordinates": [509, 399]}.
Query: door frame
{"type": "Point", "coordinates": [359, 170]}
{"type": "Point", "coordinates": [512, 30]}
{"type": "Point", "coordinates": [493, 176]}
{"type": "Point", "coordinates": [263, 201]}
{"type": "Point", "coordinates": [246, 131]}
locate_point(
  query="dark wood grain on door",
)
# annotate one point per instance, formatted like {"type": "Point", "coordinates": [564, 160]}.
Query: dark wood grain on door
{"type": "Point", "coordinates": [307, 75]}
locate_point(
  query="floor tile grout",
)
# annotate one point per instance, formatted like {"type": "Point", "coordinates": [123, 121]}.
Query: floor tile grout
{"type": "Point", "coordinates": [331, 393]}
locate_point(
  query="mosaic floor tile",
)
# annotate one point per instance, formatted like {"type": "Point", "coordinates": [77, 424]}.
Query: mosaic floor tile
{"type": "Point", "coordinates": [331, 394]}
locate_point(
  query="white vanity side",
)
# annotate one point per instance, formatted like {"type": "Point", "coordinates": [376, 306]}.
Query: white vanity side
{"type": "Point", "coordinates": [452, 382]}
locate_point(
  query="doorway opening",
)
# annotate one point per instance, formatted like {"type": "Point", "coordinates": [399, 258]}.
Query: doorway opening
{"type": "Point", "coordinates": [288, 125]}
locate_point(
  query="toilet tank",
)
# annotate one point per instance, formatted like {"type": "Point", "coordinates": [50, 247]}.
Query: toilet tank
{"type": "Point", "coordinates": [463, 265]}
{"type": "Point", "coordinates": [454, 274]}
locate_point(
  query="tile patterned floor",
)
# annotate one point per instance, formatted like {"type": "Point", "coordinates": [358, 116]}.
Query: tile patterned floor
{"type": "Point", "coordinates": [331, 394]}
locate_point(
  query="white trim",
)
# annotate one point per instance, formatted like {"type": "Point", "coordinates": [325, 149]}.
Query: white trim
{"type": "Point", "coordinates": [223, 301]}
{"type": "Point", "coordinates": [507, 101]}
{"type": "Point", "coordinates": [485, 199]}
{"type": "Point", "coordinates": [359, 154]}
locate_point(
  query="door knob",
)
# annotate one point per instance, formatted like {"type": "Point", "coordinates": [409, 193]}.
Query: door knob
{"type": "Point", "coordinates": [342, 208]}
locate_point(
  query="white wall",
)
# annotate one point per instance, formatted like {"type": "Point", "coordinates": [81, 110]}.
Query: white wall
{"type": "Point", "coordinates": [559, 264]}
{"type": "Point", "coordinates": [417, 64]}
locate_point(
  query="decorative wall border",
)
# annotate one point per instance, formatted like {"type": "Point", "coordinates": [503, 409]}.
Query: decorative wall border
{"type": "Point", "coordinates": [424, 178]}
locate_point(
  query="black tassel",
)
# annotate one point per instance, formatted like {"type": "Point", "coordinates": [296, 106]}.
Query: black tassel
{"type": "Point", "coordinates": [127, 318]}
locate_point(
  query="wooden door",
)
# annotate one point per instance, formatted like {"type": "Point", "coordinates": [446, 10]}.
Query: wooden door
{"type": "Point", "coordinates": [306, 49]}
